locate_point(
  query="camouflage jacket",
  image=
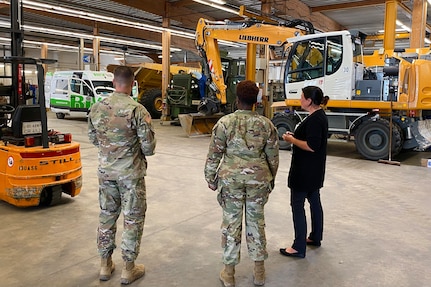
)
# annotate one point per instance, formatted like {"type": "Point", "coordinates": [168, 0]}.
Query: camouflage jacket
{"type": "Point", "coordinates": [122, 130]}
{"type": "Point", "coordinates": [244, 146]}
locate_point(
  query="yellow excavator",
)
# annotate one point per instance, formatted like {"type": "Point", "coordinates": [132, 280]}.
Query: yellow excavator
{"type": "Point", "coordinates": [381, 101]}
{"type": "Point", "coordinates": [215, 102]}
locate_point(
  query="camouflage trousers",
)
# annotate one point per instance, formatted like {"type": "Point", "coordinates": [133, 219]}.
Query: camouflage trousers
{"type": "Point", "coordinates": [236, 199]}
{"type": "Point", "coordinates": [128, 196]}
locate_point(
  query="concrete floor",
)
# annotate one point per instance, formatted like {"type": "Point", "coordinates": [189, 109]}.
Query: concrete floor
{"type": "Point", "coordinates": [377, 225]}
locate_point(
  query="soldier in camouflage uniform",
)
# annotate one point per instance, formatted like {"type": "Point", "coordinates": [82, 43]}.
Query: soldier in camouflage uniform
{"type": "Point", "coordinates": [122, 130]}
{"type": "Point", "coordinates": [242, 163]}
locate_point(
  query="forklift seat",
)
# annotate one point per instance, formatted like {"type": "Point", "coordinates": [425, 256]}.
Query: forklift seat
{"type": "Point", "coordinates": [26, 120]}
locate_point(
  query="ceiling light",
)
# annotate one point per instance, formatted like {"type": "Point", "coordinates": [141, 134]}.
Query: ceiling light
{"type": "Point", "coordinates": [399, 23]}
{"type": "Point", "coordinates": [221, 2]}
{"type": "Point", "coordinates": [88, 37]}
{"type": "Point", "coordinates": [220, 7]}
{"type": "Point", "coordinates": [396, 30]}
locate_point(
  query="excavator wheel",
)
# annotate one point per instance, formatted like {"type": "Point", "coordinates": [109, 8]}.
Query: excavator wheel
{"type": "Point", "coordinates": [153, 102]}
{"type": "Point", "coordinates": [284, 123]}
{"type": "Point", "coordinates": [372, 139]}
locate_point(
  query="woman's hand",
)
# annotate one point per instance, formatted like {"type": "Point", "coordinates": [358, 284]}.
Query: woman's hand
{"type": "Point", "coordinates": [288, 137]}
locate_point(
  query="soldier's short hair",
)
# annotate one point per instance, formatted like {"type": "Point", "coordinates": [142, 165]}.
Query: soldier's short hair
{"type": "Point", "coordinates": [124, 75]}
{"type": "Point", "coordinates": [247, 92]}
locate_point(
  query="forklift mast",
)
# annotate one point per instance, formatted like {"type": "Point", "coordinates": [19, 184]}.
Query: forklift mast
{"type": "Point", "coordinates": [17, 37]}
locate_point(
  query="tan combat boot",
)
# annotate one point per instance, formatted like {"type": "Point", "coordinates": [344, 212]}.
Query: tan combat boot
{"type": "Point", "coordinates": [227, 276]}
{"type": "Point", "coordinates": [106, 268]}
{"type": "Point", "coordinates": [131, 272]}
{"type": "Point", "coordinates": [259, 273]}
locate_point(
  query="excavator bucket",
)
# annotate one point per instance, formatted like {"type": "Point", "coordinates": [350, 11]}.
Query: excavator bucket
{"type": "Point", "coordinates": [196, 124]}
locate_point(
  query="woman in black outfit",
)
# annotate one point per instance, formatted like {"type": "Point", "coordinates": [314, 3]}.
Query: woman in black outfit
{"type": "Point", "coordinates": [307, 171]}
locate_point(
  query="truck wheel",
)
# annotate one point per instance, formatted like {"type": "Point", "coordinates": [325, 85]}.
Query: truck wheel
{"type": "Point", "coordinates": [372, 139]}
{"type": "Point", "coordinates": [284, 122]}
{"type": "Point", "coordinates": [152, 101]}
{"type": "Point", "coordinates": [60, 116]}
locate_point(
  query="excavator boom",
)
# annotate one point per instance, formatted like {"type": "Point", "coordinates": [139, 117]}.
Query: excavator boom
{"type": "Point", "coordinates": [247, 35]}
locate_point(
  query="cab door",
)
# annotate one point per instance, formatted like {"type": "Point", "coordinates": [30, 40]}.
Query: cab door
{"type": "Point", "coordinates": [81, 95]}
{"type": "Point", "coordinates": [59, 94]}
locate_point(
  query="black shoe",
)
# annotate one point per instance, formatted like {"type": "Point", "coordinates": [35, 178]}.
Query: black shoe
{"type": "Point", "coordinates": [296, 254]}
{"type": "Point", "coordinates": [313, 243]}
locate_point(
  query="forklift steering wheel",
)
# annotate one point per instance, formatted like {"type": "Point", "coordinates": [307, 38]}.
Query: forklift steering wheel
{"type": "Point", "coordinates": [6, 109]}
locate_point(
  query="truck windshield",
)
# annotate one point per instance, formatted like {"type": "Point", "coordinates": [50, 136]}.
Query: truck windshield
{"type": "Point", "coordinates": [103, 87]}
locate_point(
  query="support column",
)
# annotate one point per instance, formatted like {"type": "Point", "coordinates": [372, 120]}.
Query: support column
{"type": "Point", "coordinates": [267, 97]}
{"type": "Point", "coordinates": [390, 24]}
{"type": "Point", "coordinates": [166, 63]}
{"type": "Point", "coordinates": [250, 65]}
{"type": "Point", "coordinates": [81, 54]}
{"type": "Point", "coordinates": [44, 55]}
{"type": "Point", "coordinates": [419, 17]}
{"type": "Point", "coordinates": [96, 48]}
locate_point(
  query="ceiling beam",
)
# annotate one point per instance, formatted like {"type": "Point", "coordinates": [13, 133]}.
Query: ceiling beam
{"type": "Point", "coordinates": [177, 12]}
{"type": "Point", "coordinates": [349, 5]}
{"type": "Point", "coordinates": [144, 35]}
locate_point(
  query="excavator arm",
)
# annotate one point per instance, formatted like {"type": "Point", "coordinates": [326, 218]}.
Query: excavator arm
{"type": "Point", "coordinates": [247, 34]}
{"type": "Point", "coordinates": [210, 33]}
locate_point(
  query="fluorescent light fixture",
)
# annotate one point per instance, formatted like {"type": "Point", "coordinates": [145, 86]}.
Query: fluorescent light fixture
{"type": "Point", "coordinates": [89, 37]}
{"type": "Point", "coordinates": [396, 30]}
{"type": "Point", "coordinates": [101, 18]}
{"type": "Point", "coordinates": [111, 20]}
{"type": "Point", "coordinates": [399, 23]}
{"type": "Point", "coordinates": [220, 7]}
{"type": "Point", "coordinates": [429, 2]}
{"type": "Point", "coordinates": [221, 2]}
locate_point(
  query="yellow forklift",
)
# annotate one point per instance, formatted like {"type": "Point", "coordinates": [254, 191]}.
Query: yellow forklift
{"type": "Point", "coordinates": [37, 165]}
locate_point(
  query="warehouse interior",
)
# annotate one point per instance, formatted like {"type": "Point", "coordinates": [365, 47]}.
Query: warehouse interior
{"type": "Point", "coordinates": [377, 216]}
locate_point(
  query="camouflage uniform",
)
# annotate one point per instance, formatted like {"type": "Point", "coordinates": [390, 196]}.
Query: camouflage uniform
{"type": "Point", "coordinates": [122, 130]}
{"type": "Point", "coordinates": [243, 161]}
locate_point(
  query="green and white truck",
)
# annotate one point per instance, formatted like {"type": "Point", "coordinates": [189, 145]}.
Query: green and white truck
{"type": "Point", "coordinates": [74, 92]}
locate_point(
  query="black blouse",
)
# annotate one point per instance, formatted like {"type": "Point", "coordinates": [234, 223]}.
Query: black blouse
{"type": "Point", "coordinates": [307, 169]}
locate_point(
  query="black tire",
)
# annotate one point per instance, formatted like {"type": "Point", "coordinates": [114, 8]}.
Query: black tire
{"type": "Point", "coordinates": [60, 115]}
{"type": "Point", "coordinates": [153, 102]}
{"type": "Point", "coordinates": [284, 123]}
{"type": "Point", "coordinates": [398, 145]}
{"type": "Point", "coordinates": [50, 196]}
{"type": "Point", "coordinates": [372, 139]}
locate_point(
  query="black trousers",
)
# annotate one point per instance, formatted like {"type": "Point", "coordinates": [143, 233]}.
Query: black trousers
{"type": "Point", "coordinates": [297, 201]}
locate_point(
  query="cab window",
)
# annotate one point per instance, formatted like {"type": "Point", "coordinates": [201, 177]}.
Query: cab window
{"type": "Point", "coordinates": [334, 55]}
{"type": "Point", "coordinates": [306, 61]}
{"type": "Point", "coordinates": [61, 86]}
